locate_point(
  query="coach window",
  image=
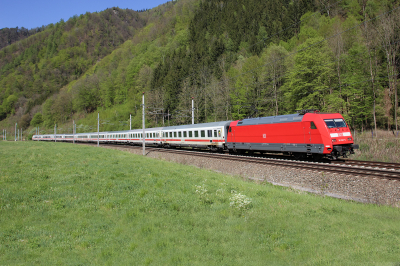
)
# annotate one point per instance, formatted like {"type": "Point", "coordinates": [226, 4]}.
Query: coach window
{"type": "Point", "coordinates": [209, 133]}
{"type": "Point", "coordinates": [175, 134]}
{"type": "Point", "coordinates": [184, 134]}
{"type": "Point", "coordinates": [190, 134]}
{"type": "Point", "coordinates": [203, 133]}
{"type": "Point", "coordinates": [196, 133]}
{"type": "Point", "coordinates": [180, 134]}
{"type": "Point", "coordinates": [215, 133]}
{"type": "Point", "coordinates": [313, 126]}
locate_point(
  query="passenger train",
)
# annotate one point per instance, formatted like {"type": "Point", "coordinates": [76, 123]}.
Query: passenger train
{"type": "Point", "coordinates": [305, 134]}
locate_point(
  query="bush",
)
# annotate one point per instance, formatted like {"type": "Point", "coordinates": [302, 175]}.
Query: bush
{"type": "Point", "coordinates": [37, 120]}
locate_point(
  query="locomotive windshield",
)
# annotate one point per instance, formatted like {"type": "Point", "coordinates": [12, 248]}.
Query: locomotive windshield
{"type": "Point", "coordinates": [331, 123]}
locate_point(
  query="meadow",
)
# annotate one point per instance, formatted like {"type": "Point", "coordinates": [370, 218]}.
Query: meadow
{"type": "Point", "coordinates": [64, 204]}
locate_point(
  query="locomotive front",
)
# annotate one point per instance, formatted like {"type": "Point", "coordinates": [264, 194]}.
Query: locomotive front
{"type": "Point", "coordinates": [340, 142]}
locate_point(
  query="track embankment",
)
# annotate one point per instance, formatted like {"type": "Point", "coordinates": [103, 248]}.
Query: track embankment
{"type": "Point", "coordinates": [360, 183]}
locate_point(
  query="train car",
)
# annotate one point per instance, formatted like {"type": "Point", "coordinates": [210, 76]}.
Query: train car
{"type": "Point", "coordinates": [153, 136]}
{"type": "Point", "coordinates": [206, 136]}
{"type": "Point", "coordinates": [303, 134]}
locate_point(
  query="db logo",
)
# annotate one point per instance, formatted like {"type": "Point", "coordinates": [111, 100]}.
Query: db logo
{"type": "Point", "coordinates": [264, 136]}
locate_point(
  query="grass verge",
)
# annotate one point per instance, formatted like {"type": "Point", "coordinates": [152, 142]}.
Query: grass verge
{"type": "Point", "coordinates": [68, 204]}
{"type": "Point", "coordinates": [382, 146]}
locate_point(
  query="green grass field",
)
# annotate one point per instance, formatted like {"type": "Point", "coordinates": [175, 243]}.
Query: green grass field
{"type": "Point", "coordinates": [64, 204]}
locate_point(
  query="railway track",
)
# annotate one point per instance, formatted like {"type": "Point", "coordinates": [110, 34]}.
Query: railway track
{"type": "Point", "coordinates": [381, 170]}
{"type": "Point", "coordinates": [381, 165]}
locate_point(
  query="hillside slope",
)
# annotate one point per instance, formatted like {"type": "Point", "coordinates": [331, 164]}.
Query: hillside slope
{"type": "Point", "coordinates": [36, 67]}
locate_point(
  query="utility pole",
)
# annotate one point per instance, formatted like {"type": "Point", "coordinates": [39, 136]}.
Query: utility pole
{"type": "Point", "coordinates": [21, 135]}
{"type": "Point", "coordinates": [130, 121]}
{"type": "Point", "coordinates": [55, 133]}
{"type": "Point", "coordinates": [143, 126]}
{"type": "Point", "coordinates": [73, 131]}
{"type": "Point", "coordinates": [192, 111]}
{"type": "Point", "coordinates": [15, 138]}
{"type": "Point", "coordinates": [98, 128]}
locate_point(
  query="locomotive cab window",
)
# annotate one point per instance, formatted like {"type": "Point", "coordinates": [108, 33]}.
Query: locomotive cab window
{"type": "Point", "coordinates": [332, 123]}
{"type": "Point", "coordinates": [215, 133]}
{"type": "Point", "coordinates": [313, 126]}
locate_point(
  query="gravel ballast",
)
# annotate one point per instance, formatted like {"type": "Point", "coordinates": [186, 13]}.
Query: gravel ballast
{"type": "Point", "coordinates": [357, 188]}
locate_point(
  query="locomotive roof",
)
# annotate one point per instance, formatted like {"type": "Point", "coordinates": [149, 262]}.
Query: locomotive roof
{"type": "Point", "coordinates": [271, 120]}
{"type": "Point", "coordinates": [212, 124]}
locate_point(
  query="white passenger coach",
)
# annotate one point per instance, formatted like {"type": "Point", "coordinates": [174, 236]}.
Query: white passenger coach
{"type": "Point", "coordinates": [206, 135]}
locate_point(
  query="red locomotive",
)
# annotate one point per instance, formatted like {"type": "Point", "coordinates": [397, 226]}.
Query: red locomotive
{"type": "Point", "coordinates": [308, 133]}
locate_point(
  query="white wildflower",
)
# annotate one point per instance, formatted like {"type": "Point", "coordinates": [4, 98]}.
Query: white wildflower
{"type": "Point", "coordinates": [239, 201]}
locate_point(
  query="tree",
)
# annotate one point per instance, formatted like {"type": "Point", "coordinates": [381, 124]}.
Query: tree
{"type": "Point", "coordinates": [388, 28]}
{"type": "Point", "coordinates": [24, 121]}
{"type": "Point", "coordinates": [37, 120]}
{"type": "Point", "coordinates": [9, 104]}
{"type": "Point", "coordinates": [310, 79]}
{"type": "Point", "coordinates": [274, 67]}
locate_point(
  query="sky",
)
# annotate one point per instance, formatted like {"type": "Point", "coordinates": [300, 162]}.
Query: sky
{"type": "Point", "coordinates": [36, 13]}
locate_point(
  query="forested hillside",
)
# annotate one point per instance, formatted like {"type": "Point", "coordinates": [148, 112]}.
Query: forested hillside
{"type": "Point", "coordinates": [38, 66]}
{"type": "Point", "coordinates": [11, 35]}
{"type": "Point", "coordinates": [236, 58]}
